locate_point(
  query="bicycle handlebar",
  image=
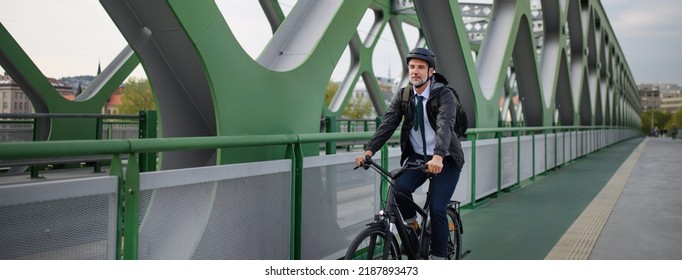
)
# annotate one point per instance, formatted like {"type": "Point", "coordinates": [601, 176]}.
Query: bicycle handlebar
{"type": "Point", "coordinates": [418, 165]}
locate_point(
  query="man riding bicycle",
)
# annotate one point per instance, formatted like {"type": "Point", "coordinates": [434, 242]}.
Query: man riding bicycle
{"type": "Point", "coordinates": [427, 134]}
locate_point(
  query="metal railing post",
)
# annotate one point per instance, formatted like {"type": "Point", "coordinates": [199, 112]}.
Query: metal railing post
{"type": "Point", "coordinates": [295, 153]}
{"type": "Point", "coordinates": [544, 132]}
{"type": "Point", "coordinates": [348, 129]}
{"type": "Point", "coordinates": [472, 138]}
{"type": "Point", "coordinates": [518, 158]}
{"type": "Point", "coordinates": [37, 123]}
{"type": "Point", "coordinates": [298, 206]}
{"type": "Point", "coordinates": [563, 148]}
{"type": "Point", "coordinates": [556, 148]}
{"type": "Point", "coordinates": [570, 144]}
{"type": "Point", "coordinates": [147, 123]}
{"type": "Point", "coordinates": [117, 170]}
{"type": "Point", "coordinates": [499, 162]}
{"type": "Point", "coordinates": [132, 208]}
{"type": "Point", "coordinates": [110, 132]}
{"type": "Point", "coordinates": [99, 125]}
{"type": "Point", "coordinates": [330, 126]}
{"type": "Point", "coordinates": [532, 134]}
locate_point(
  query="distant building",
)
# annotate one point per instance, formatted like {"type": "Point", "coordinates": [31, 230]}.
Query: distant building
{"type": "Point", "coordinates": [14, 101]}
{"type": "Point", "coordinates": [664, 97]}
{"type": "Point", "coordinates": [650, 97]}
{"type": "Point", "coordinates": [671, 98]}
{"type": "Point", "coordinates": [387, 87]}
{"type": "Point", "coordinates": [12, 98]}
{"type": "Point", "coordinates": [114, 101]}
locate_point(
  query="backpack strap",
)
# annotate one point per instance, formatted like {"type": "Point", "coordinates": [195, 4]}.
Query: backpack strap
{"type": "Point", "coordinates": [406, 94]}
{"type": "Point", "coordinates": [405, 98]}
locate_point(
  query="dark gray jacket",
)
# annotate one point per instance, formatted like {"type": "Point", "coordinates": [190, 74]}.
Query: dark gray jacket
{"type": "Point", "coordinates": [442, 122]}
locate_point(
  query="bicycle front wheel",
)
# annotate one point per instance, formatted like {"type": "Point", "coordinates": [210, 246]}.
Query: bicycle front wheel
{"type": "Point", "coordinates": [370, 243]}
{"type": "Point", "coordinates": [454, 236]}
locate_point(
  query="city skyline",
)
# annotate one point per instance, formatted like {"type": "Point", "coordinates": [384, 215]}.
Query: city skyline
{"type": "Point", "coordinates": [647, 32]}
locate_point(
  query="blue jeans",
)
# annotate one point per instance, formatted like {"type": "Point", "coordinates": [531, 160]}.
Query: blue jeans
{"type": "Point", "coordinates": [442, 187]}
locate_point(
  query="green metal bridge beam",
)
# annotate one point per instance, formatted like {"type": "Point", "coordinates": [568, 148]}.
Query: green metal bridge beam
{"type": "Point", "coordinates": [206, 84]}
{"type": "Point", "coordinates": [46, 99]}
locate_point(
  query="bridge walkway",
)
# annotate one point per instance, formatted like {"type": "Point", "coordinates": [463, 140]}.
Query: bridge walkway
{"type": "Point", "coordinates": [621, 202]}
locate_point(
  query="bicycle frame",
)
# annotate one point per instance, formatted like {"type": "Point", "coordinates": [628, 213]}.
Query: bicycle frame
{"type": "Point", "coordinates": [391, 217]}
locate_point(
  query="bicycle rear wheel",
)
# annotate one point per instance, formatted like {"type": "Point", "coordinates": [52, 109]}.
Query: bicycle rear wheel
{"type": "Point", "coordinates": [369, 245]}
{"type": "Point", "coordinates": [454, 235]}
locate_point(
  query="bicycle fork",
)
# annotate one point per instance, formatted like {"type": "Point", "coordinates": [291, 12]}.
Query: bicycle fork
{"type": "Point", "coordinates": [389, 239]}
{"type": "Point", "coordinates": [410, 246]}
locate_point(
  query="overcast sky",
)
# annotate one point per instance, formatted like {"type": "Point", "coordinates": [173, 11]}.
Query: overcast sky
{"type": "Point", "coordinates": [70, 37]}
{"type": "Point", "coordinates": [650, 35]}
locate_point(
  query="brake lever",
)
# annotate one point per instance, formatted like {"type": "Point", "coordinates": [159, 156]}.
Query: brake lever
{"type": "Point", "coordinates": [365, 164]}
{"type": "Point", "coordinates": [423, 167]}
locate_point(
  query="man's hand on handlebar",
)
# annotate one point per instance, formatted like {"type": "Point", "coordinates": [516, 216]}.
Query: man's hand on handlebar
{"type": "Point", "coordinates": [360, 159]}
{"type": "Point", "coordinates": [435, 165]}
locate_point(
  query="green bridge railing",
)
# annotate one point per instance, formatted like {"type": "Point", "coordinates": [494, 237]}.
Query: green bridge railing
{"type": "Point", "coordinates": [145, 122]}
{"type": "Point", "coordinates": [129, 182]}
{"type": "Point", "coordinates": [592, 137]}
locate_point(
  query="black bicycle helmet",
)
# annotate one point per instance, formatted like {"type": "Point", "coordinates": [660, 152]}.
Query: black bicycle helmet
{"type": "Point", "coordinates": [423, 54]}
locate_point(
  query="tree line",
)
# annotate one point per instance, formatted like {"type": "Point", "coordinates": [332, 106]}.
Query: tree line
{"type": "Point", "coordinates": [137, 96]}
{"type": "Point", "coordinates": [662, 120]}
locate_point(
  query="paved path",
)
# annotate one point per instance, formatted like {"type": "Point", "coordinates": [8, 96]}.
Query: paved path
{"type": "Point", "coordinates": [646, 222]}
{"type": "Point", "coordinates": [599, 207]}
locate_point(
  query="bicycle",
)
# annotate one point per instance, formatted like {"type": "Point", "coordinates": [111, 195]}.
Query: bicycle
{"type": "Point", "coordinates": [378, 241]}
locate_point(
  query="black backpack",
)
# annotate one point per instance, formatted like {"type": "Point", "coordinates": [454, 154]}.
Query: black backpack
{"type": "Point", "coordinates": [461, 121]}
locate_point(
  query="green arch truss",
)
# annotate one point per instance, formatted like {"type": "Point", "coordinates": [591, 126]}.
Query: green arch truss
{"type": "Point", "coordinates": [206, 84]}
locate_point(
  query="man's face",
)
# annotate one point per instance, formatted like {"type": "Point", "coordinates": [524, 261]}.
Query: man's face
{"type": "Point", "coordinates": [419, 71]}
